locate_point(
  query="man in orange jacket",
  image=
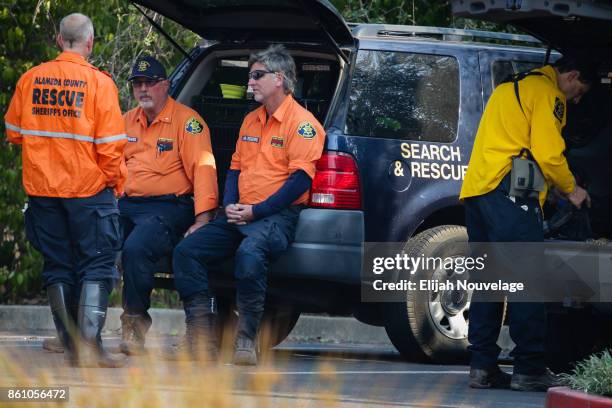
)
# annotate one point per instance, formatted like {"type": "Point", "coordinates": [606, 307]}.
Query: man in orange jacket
{"type": "Point", "coordinates": [171, 178]}
{"type": "Point", "coordinates": [65, 114]}
{"type": "Point", "coordinates": [265, 190]}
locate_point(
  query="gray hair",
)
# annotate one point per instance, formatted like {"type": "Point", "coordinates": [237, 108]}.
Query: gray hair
{"type": "Point", "coordinates": [276, 58]}
{"type": "Point", "coordinates": [76, 28]}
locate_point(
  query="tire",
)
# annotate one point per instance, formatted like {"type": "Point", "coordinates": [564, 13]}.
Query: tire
{"type": "Point", "coordinates": [276, 324]}
{"type": "Point", "coordinates": [432, 326]}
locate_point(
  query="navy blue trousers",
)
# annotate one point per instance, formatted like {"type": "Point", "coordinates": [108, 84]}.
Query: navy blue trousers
{"type": "Point", "coordinates": [494, 217]}
{"type": "Point", "coordinates": [254, 246]}
{"type": "Point", "coordinates": [78, 237]}
{"type": "Point", "coordinates": [152, 226]}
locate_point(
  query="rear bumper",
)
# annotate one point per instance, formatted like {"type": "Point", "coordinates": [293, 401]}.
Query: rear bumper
{"type": "Point", "coordinates": [327, 246]}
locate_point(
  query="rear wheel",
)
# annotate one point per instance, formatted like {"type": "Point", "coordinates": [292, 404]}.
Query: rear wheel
{"type": "Point", "coordinates": [432, 324]}
{"type": "Point", "coordinates": [276, 324]}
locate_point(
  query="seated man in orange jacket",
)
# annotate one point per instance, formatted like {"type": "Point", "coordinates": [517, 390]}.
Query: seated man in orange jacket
{"type": "Point", "coordinates": [171, 179]}
{"type": "Point", "coordinates": [265, 190]}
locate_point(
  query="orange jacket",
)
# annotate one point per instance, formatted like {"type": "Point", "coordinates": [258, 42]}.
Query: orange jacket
{"type": "Point", "coordinates": [172, 155]}
{"type": "Point", "coordinates": [65, 113]}
{"type": "Point", "coordinates": [268, 153]}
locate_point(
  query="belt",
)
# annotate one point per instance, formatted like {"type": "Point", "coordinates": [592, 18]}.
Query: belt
{"type": "Point", "coordinates": [164, 197]}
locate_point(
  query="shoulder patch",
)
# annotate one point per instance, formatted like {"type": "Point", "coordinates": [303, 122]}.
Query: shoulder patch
{"type": "Point", "coordinates": [193, 126]}
{"type": "Point", "coordinates": [559, 110]}
{"type": "Point", "coordinates": [306, 130]}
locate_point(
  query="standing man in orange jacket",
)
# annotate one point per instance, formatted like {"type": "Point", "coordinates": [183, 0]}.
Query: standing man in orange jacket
{"type": "Point", "coordinates": [171, 188]}
{"type": "Point", "coordinates": [65, 114]}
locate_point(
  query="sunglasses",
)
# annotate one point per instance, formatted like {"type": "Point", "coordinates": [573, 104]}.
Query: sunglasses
{"type": "Point", "coordinates": [258, 74]}
{"type": "Point", "coordinates": [148, 83]}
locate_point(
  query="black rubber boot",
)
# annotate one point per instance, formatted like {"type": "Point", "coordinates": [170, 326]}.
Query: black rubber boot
{"type": "Point", "coordinates": [54, 344]}
{"type": "Point", "coordinates": [92, 315]}
{"type": "Point", "coordinates": [61, 299]}
{"type": "Point", "coordinates": [200, 341]}
{"type": "Point", "coordinates": [133, 331]}
{"type": "Point", "coordinates": [245, 345]}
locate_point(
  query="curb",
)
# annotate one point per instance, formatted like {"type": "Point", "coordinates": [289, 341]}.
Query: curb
{"type": "Point", "coordinates": [322, 329]}
{"type": "Point", "coordinates": [563, 397]}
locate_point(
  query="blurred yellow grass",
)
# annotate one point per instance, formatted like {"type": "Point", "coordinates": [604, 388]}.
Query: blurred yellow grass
{"type": "Point", "coordinates": [151, 382]}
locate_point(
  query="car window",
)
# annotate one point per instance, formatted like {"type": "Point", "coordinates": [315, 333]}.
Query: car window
{"type": "Point", "coordinates": [503, 70]}
{"type": "Point", "coordinates": [401, 95]}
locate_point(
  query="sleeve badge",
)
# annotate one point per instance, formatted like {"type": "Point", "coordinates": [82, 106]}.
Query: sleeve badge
{"type": "Point", "coordinates": [559, 110]}
{"type": "Point", "coordinates": [306, 130]}
{"type": "Point", "coordinates": [193, 126]}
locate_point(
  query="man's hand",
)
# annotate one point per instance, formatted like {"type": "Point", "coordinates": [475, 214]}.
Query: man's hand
{"type": "Point", "coordinates": [201, 220]}
{"type": "Point", "coordinates": [239, 214]}
{"type": "Point", "coordinates": [232, 214]}
{"type": "Point", "coordinates": [578, 196]}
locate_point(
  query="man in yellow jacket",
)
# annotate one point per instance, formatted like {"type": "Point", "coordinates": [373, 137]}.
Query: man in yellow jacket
{"type": "Point", "coordinates": [528, 113]}
{"type": "Point", "coordinates": [65, 115]}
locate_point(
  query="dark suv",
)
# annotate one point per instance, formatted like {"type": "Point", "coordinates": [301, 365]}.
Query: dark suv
{"type": "Point", "coordinates": [400, 105]}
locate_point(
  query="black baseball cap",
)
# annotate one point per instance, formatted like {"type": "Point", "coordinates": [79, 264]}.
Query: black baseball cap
{"type": "Point", "coordinates": [148, 67]}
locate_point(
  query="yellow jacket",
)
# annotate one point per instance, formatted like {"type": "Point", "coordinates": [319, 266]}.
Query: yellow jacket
{"type": "Point", "coordinates": [504, 130]}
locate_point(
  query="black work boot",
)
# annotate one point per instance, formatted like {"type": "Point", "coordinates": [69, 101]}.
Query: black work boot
{"type": "Point", "coordinates": [54, 344]}
{"type": "Point", "coordinates": [92, 315]}
{"type": "Point", "coordinates": [60, 299]}
{"type": "Point", "coordinates": [133, 331]}
{"type": "Point", "coordinates": [537, 382]}
{"type": "Point", "coordinates": [245, 345]}
{"type": "Point", "coordinates": [200, 341]}
{"type": "Point", "coordinates": [494, 378]}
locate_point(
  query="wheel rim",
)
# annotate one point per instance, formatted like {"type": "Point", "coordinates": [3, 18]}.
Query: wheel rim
{"type": "Point", "coordinates": [449, 309]}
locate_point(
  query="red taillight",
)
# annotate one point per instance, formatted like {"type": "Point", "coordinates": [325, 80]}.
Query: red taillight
{"type": "Point", "coordinates": [336, 182]}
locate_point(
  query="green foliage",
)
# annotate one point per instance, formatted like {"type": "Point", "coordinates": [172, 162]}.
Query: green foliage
{"type": "Point", "coordinates": [436, 13]}
{"type": "Point", "coordinates": [593, 375]}
{"type": "Point", "coordinates": [417, 12]}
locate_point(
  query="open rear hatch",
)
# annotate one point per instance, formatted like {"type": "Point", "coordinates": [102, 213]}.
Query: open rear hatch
{"type": "Point", "coordinates": [258, 20]}
{"type": "Point", "coordinates": [567, 26]}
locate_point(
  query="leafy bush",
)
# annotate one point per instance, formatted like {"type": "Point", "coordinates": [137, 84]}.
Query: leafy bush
{"type": "Point", "coordinates": [593, 375]}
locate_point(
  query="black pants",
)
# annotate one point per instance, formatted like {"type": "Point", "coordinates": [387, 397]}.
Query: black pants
{"type": "Point", "coordinates": [78, 237]}
{"type": "Point", "coordinates": [494, 217]}
{"type": "Point", "coordinates": [254, 246]}
{"type": "Point", "coordinates": [152, 226]}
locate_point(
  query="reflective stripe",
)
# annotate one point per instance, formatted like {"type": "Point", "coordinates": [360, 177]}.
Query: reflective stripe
{"type": "Point", "coordinates": [109, 139]}
{"type": "Point", "coordinates": [12, 127]}
{"type": "Point", "coordinates": [59, 135]}
{"type": "Point", "coordinates": [62, 135]}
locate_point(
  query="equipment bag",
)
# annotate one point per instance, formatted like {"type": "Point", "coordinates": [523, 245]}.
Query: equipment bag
{"type": "Point", "coordinates": [526, 178]}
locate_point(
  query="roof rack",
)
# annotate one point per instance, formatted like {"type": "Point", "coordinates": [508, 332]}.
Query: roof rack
{"type": "Point", "coordinates": [452, 34]}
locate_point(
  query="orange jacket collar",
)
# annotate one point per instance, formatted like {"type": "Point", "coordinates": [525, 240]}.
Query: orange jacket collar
{"type": "Point", "coordinates": [72, 57]}
{"type": "Point", "coordinates": [164, 116]}
{"type": "Point", "coordinates": [279, 113]}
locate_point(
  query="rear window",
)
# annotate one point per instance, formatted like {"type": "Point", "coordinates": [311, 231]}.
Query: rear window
{"type": "Point", "coordinates": [399, 95]}
{"type": "Point", "coordinates": [502, 70]}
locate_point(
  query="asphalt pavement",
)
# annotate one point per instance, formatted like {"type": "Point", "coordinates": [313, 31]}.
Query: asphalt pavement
{"type": "Point", "coordinates": [294, 374]}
